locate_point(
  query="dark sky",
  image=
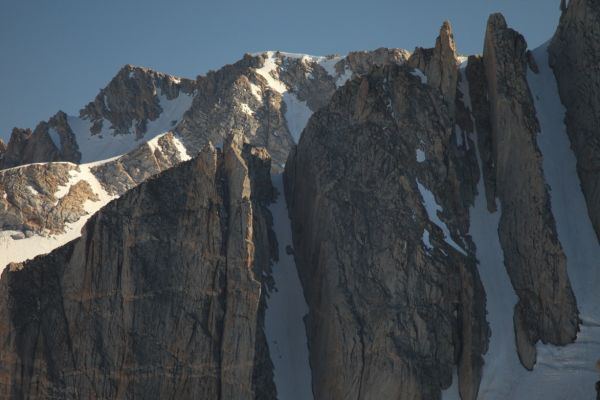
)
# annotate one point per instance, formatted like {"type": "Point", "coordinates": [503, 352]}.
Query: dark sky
{"type": "Point", "coordinates": [56, 55]}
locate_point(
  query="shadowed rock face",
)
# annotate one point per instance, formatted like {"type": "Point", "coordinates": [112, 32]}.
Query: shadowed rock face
{"type": "Point", "coordinates": [440, 65]}
{"type": "Point", "coordinates": [533, 256]}
{"type": "Point", "coordinates": [480, 111]}
{"type": "Point", "coordinates": [393, 306]}
{"type": "Point", "coordinates": [575, 58]}
{"type": "Point", "coordinates": [160, 297]}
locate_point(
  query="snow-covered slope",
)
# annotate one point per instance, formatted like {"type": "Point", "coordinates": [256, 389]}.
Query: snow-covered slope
{"type": "Point", "coordinates": [286, 308]}
{"type": "Point", "coordinates": [12, 250]}
{"type": "Point", "coordinates": [107, 144]}
{"type": "Point", "coordinates": [17, 250]}
{"type": "Point", "coordinates": [561, 373]}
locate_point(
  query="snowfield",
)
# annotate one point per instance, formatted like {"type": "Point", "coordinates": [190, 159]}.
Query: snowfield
{"type": "Point", "coordinates": [107, 145]}
{"type": "Point", "coordinates": [561, 373]}
{"type": "Point", "coordinates": [286, 308]}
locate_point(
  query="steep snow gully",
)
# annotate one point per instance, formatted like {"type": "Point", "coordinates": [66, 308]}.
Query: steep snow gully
{"type": "Point", "coordinates": [560, 372]}
{"type": "Point", "coordinates": [284, 324]}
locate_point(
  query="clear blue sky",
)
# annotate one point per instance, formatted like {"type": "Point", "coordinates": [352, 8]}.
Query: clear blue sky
{"type": "Point", "coordinates": [56, 54]}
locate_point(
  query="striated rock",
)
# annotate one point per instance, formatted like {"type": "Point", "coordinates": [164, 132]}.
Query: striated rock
{"type": "Point", "coordinates": [395, 303]}
{"type": "Point", "coordinates": [480, 110]}
{"type": "Point", "coordinates": [533, 255]}
{"type": "Point", "coordinates": [440, 65]}
{"type": "Point", "coordinates": [575, 58]}
{"type": "Point", "coordinates": [160, 297]}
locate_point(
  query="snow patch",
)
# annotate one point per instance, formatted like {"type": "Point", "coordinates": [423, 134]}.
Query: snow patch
{"type": "Point", "coordinates": [256, 92]}
{"type": "Point", "coordinates": [183, 153]}
{"type": "Point", "coordinates": [286, 308]}
{"type": "Point", "coordinates": [432, 208]}
{"type": "Point", "coordinates": [343, 78]}
{"type": "Point", "coordinates": [419, 74]}
{"type": "Point", "coordinates": [297, 114]}
{"type": "Point", "coordinates": [172, 113]}
{"type": "Point", "coordinates": [297, 111]}
{"type": "Point", "coordinates": [32, 190]}
{"type": "Point", "coordinates": [329, 64]}
{"type": "Point", "coordinates": [269, 69]}
{"type": "Point", "coordinates": [420, 155]}
{"type": "Point", "coordinates": [107, 144]}
{"type": "Point", "coordinates": [425, 240]}
{"type": "Point", "coordinates": [246, 109]}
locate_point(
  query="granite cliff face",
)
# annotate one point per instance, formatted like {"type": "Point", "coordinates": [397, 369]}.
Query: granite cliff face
{"type": "Point", "coordinates": [394, 295]}
{"type": "Point", "coordinates": [174, 269]}
{"type": "Point", "coordinates": [575, 57]}
{"type": "Point", "coordinates": [435, 249]}
{"type": "Point", "coordinates": [547, 308]}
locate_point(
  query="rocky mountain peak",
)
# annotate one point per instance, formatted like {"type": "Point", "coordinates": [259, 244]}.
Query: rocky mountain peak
{"type": "Point", "coordinates": [440, 65]}
{"type": "Point", "coordinates": [132, 99]}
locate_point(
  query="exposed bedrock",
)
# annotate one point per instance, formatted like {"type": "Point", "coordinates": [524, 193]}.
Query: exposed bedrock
{"type": "Point", "coordinates": [575, 58]}
{"type": "Point", "coordinates": [395, 301]}
{"type": "Point", "coordinates": [533, 256]}
{"type": "Point", "coordinates": [161, 297]}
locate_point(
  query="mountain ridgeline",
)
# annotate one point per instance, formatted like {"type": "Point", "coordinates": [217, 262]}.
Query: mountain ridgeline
{"type": "Point", "coordinates": [443, 211]}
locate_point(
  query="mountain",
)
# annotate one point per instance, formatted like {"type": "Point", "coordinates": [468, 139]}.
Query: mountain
{"type": "Point", "coordinates": [381, 225]}
{"type": "Point", "coordinates": [144, 122]}
{"type": "Point", "coordinates": [267, 96]}
{"type": "Point", "coordinates": [214, 308]}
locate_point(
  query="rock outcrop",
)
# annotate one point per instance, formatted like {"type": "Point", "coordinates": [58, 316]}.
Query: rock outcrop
{"type": "Point", "coordinates": [440, 65]}
{"type": "Point", "coordinates": [534, 258]}
{"type": "Point", "coordinates": [394, 294]}
{"type": "Point", "coordinates": [126, 172]}
{"type": "Point", "coordinates": [43, 198]}
{"type": "Point", "coordinates": [40, 198]}
{"type": "Point", "coordinates": [132, 99]}
{"type": "Point", "coordinates": [160, 297]}
{"type": "Point", "coordinates": [575, 58]}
